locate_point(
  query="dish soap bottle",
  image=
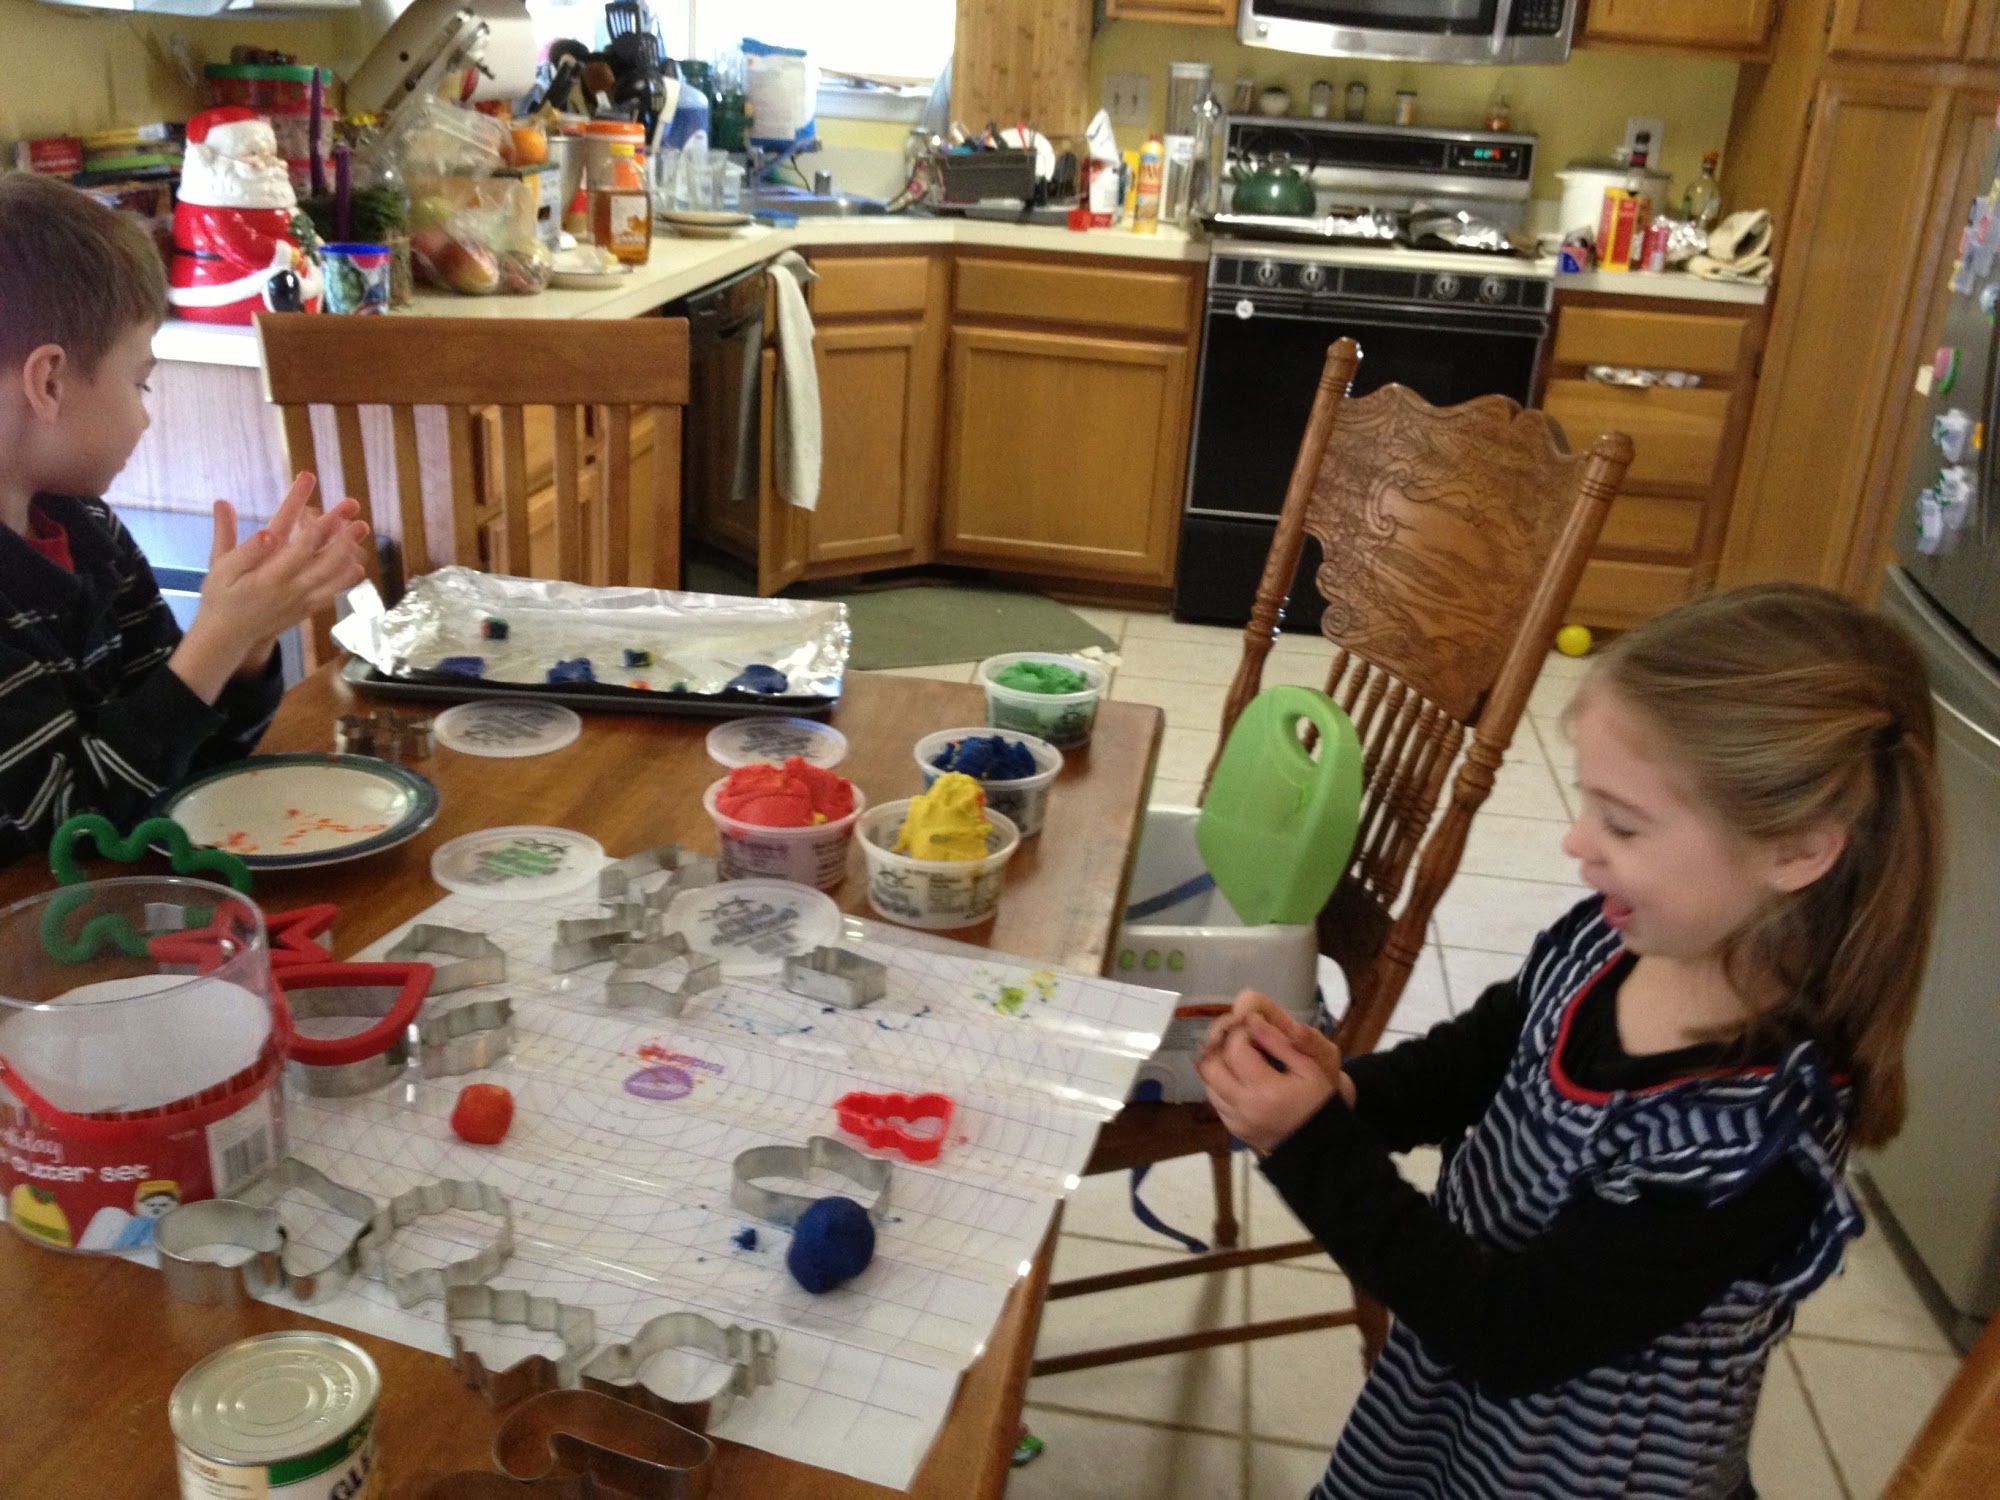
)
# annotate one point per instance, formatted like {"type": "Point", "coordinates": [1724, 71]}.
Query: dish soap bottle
{"type": "Point", "coordinates": [1702, 202]}
{"type": "Point", "coordinates": [1146, 203]}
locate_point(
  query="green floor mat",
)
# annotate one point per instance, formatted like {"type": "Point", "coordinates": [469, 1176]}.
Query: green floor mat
{"type": "Point", "coordinates": [929, 624]}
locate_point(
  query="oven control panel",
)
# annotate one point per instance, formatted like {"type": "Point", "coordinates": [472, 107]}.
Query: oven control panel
{"type": "Point", "coordinates": [1483, 285]}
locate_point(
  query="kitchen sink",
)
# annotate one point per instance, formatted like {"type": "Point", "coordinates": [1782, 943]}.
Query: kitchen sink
{"type": "Point", "coordinates": [818, 206]}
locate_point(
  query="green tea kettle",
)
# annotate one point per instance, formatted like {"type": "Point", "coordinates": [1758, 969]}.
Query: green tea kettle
{"type": "Point", "coordinates": [1276, 187]}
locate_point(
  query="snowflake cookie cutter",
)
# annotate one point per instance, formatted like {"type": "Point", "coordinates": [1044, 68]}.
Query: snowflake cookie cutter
{"type": "Point", "coordinates": [749, 1357]}
{"type": "Point", "coordinates": [313, 1277]}
{"type": "Point", "coordinates": [633, 984]}
{"type": "Point", "coordinates": [421, 1202]}
{"type": "Point", "coordinates": [837, 976]}
{"type": "Point", "coordinates": [467, 1039]}
{"type": "Point", "coordinates": [820, 1153]}
{"type": "Point", "coordinates": [575, 1328]}
{"type": "Point", "coordinates": [476, 958]}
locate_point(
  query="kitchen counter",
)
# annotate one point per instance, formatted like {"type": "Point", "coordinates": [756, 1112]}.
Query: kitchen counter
{"type": "Point", "coordinates": [679, 266]}
{"type": "Point", "coordinates": [1660, 284]}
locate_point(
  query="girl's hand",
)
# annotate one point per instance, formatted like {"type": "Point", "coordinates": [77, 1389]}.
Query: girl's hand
{"type": "Point", "coordinates": [1313, 1043]}
{"type": "Point", "coordinates": [1261, 1105]}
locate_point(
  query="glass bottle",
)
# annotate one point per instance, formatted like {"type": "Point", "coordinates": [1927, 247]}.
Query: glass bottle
{"type": "Point", "coordinates": [1702, 202]}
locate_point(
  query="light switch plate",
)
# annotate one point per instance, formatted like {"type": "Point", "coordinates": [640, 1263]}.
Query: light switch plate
{"type": "Point", "coordinates": [1656, 145]}
{"type": "Point", "coordinates": [1127, 98]}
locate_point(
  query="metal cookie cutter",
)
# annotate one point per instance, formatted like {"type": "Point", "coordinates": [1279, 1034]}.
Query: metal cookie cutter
{"type": "Point", "coordinates": [619, 880]}
{"type": "Point", "coordinates": [581, 941]}
{"type": "Point", "coordinates": [834, 976]}
{"type": "Point", "coordinates": [313, 1276]}
{"type": "Point", "coordinates": [751, 1355]}
{"type": "Point", "coordinates": [579, 1445]}
{"type": "Point", "coordinates": [335, 1067]}
{"type": "Point", "coordinates": [630, 986]}
{"type": "Point", "coordinates": [819, 1153]}
{"type": "Point", "coordinates": [441, 1196]}
{"type": "Point", "coordinates": [467, 1039]}
{"type": "Point", "coordinates": [575, 1327]}
{"type": "Point", "coordinates": [479, 959]}
{"type": "Point", "coordinates": [221, 1222]}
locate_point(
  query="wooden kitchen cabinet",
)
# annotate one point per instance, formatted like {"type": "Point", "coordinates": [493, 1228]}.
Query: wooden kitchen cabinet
{"type": "Point", "coordinates": [1181, 12]}
{"type": "Point", "coordinates": [1662, 539]}
{"type": "Point", "coordinates": [1721, 25]}
{"type": "Point", "coordinates": [1899, 28]}
{"type": "Point", "coordinates": [1023, 60]}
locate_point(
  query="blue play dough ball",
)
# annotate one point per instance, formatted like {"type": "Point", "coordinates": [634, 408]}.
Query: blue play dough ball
{"type": "Point", "coordinates": [833, 1242]}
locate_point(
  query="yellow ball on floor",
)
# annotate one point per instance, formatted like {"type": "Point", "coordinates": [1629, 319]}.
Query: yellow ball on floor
{"type": "Point", "coordinates": [1574, 640]}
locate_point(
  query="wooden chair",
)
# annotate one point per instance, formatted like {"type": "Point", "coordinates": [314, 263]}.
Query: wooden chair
{"type": "Point", "coordinates": [513, 442]}
{"type": "Point", "coordinates": [1453, 539]}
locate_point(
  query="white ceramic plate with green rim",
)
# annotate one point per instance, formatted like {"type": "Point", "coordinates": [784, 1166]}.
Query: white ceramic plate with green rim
{"type": "Point", "coordinates": [297, 811]}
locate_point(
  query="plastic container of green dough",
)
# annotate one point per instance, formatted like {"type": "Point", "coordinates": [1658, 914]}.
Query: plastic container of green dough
{"type": "Point", "coordinates": [1063, 719]}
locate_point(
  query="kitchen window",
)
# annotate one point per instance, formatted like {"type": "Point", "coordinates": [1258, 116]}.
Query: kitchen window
{"type": "Point", "coordinates": [901, 43]}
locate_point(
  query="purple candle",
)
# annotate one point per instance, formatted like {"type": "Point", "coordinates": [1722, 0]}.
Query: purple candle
{"type": "Point", "coordinates": [343, 187]}
{"type": "Point", "coordinates": [313, 129]}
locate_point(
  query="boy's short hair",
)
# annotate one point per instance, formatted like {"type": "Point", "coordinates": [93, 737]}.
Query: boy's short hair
{"type": "Point", "coordinates": [72, 272]}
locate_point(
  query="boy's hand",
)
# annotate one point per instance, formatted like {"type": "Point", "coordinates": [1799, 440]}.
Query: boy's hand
{"type": "Point", "coordinates": [1260, 1105]}
{"type": "Point", "coordinates": [1251, 1004]}
{"type": "Point", "coordinates": [258, 588]}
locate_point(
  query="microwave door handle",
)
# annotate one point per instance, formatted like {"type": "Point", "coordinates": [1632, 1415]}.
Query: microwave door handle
{"type": "Point", "coordinates": [1503, 17]}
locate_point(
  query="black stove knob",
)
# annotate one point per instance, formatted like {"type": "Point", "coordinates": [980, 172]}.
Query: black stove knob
{"type": "Point", "coordinates": [1444, 287]}
{"type": "Point", "coordinates": [1493, 289]}
{"type": "Point", "coordinates": [1267, 273]}
{"type": "Point", "coordinates": [1312, 278]}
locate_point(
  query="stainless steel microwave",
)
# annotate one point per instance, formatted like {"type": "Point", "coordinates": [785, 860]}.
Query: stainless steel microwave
{"type": "Point", "coordinates": [1449, 31]}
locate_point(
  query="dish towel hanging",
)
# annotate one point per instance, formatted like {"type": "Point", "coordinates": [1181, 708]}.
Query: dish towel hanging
{"type": "Point", "coordinates": [798, 432]}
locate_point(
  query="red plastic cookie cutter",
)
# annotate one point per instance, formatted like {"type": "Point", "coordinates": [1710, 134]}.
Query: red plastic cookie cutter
{"type": "Point", "coordinates": [884, 1121]}
{"type": "Point", "coordinates": [291, 936]}
{"type": "Point", "coordinates": [350, 986]}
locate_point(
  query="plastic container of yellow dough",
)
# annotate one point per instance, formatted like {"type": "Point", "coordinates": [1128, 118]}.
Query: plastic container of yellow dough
{"type": "Point", "coordinates": [933, 893]}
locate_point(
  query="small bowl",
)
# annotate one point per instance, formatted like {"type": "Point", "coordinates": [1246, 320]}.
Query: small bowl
{"type": "Point", "coordinates": [936, 894]}
{"type": "Point", "coordinates": [1273, 102]}
{"type": "Point", "coordinates": [1063, 719]}
{"type": "Point", "coordinates": [1025, 801]}
{"type": "Point", "coordinates": [815, 856]}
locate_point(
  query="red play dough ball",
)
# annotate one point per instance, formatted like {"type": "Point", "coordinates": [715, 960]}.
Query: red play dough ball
{"type": "Point", "coordinates": [483, 1113]}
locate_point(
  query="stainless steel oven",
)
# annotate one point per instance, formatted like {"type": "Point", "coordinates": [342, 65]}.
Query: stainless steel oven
{"type": "Point", "coordinates": [1450, 334]}
{"type": "Point", "coordinates": [1453, 31]}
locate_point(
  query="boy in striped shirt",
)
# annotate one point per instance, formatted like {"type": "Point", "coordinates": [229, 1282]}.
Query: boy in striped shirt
{"type": "Point", "coordinates": [103, 702]}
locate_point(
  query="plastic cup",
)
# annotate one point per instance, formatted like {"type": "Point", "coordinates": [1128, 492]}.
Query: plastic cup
{"type": "Point", "coordinates": [1025, 801]}
{"type": "Point", "coordinates": [357, 277]}
{"type": "Point", "coordinates": [935, 894]}
{"type": "Point", "coordinates": [814, 855]}
{"type": "Point", "coordinates": [140, 1056]}
{"type": "Point", "coordinates": [1063, 719]}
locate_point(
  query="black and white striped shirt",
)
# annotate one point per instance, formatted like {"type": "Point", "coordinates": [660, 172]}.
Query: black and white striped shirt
{"type": "Point", "coordinates": [91, 719]}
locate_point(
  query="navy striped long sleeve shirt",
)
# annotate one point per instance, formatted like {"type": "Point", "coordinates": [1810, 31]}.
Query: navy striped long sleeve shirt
{"type": "Point", "coordinates": [91, 719]}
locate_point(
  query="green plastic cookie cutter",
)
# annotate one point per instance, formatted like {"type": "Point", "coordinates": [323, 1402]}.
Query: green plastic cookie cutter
{"type": "Point", "coordinates": [114, 928]}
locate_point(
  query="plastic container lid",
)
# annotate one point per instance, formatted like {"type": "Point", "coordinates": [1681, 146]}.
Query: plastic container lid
{"type": "Point", "coordinates": [519, 863]}
{"type": "Point", "coordinates": [753, 926]}
{"type": "Point", "coordinates": [507, 727]}
{"type": "Point", "coordinates": [746, 742]}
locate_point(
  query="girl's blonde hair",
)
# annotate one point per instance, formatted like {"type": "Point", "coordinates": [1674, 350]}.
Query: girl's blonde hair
{"type": "Point", "coordinates": [1793, 707]}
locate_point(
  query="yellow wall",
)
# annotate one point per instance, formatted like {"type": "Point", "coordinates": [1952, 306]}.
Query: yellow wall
{"type": "Point", "coordinates": [66, 71]}
{"type": "Point", "coordinates": [1577, 109]}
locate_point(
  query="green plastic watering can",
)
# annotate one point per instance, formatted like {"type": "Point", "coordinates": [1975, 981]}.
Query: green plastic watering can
{"type": "Point", "coordinates": [1278, 824]}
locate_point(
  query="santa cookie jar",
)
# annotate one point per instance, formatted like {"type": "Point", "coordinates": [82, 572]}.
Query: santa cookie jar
{"type": "Point", "coordinates": [241, 246]}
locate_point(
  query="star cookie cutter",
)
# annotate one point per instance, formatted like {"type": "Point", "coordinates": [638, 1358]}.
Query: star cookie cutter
{"type": "Point", "coordinates": [219, 1224]}
{"type": "Point", "coordinates": [337, 1067]}
{"type": "Point", "coordinates": [421, 1202]}
{"type": "Point", "coordinates": [882, 1120]}
{"type": "Point", "coordinates": [632, 984]}
{"type": "Point", "coordinates": [313, 1276]}
{"type": "Point", "coordinates": [574, 1327]}
{"type": "Point", "coordinates": [477, 959]}
{"type": "Point", "coordinates": [582, 941]}
{"type": "Point", "coordinates": [620, 880]}
{"type": "Point", "coordinates": [835, 976]}
{"type": "Point", "coordinates": [292, 938]}
{"type": "Point", "coordinates": [821, 1153]}
{"type": "Point", "coordinates": [580, 1445]}
{"type": "Point", "coordinates": [749, 1355]}
{"type": "Point", "coordinates": [467, 1039]}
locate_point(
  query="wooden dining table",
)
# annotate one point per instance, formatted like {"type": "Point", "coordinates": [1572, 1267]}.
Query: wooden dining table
{"type": "Point", "coordinates": [94, 1344]}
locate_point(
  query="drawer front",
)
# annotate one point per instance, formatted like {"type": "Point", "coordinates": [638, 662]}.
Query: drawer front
{"type": "Point", "coordinates": [869, 285]}
{"type": "Point", "coordinates": [1676, 434]}
{"type": "Point", "coordinates": [1619, 595]}
{"type": "Point", "coordinates": [1652, 523]}
{"type": "Point", "coordinates": [1652, 340]}
{"type": "Point", "coordinates": [1160, 302]}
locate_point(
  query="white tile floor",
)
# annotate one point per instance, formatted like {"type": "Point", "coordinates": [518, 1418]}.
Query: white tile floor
{"type": "Point", "coordinates": [1845, 1393]}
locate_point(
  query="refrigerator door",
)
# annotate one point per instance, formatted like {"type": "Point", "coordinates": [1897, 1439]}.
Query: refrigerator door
{"type": "Point", "coordinates": [1941, 1176]}
{"type": "Point", "coordinates": [1947, 529]}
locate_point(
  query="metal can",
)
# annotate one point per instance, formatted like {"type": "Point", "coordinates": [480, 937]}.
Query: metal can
{"type": "Point", "coordinates": [1658, 233]}
{"type": "Point", "coordinates": [282, 1416]}
{"type": "Point", "coordinates": [1406, 107]}
{"type": "Point", "coordinates": [1357, 100]}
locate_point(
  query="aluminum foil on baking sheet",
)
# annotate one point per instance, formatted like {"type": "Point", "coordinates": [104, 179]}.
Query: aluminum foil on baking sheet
{"type": "Point", "coordinates": [698, 642]}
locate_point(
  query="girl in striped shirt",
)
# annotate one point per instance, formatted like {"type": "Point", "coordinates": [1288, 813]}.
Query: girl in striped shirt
{"type": "Point", "coordinates": [1645, 1129]}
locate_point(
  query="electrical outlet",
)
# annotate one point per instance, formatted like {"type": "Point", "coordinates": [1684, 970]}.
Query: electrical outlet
{"type": "Point", "coordinates": [1127, 98]}
{"type": "Point", "coordinates": [1655, 131]}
